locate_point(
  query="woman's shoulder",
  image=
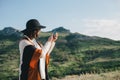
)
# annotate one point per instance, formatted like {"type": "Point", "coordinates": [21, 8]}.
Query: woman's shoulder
{"type": "Point", "coordinates": [25, 42]}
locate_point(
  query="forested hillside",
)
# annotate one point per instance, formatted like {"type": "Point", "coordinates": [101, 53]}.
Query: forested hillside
{"type": "Point", "coordinates": [74, 54]}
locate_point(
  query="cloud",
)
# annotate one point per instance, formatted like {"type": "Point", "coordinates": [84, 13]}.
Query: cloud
{"type": "Point", "coordinates": [102, 27]}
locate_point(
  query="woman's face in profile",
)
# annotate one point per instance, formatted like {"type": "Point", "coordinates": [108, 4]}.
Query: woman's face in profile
{"type": "Point", "coordinates": [36, 33]}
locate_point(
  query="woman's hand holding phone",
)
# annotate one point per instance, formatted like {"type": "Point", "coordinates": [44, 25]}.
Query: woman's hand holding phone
{"type": "Point", "coordinates": [55, 36]}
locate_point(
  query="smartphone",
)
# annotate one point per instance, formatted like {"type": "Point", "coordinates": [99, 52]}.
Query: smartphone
{"type": "Point", "coordinates": [54, 33]}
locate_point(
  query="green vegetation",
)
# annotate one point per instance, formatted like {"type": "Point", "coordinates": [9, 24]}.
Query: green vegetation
{"type": "Point", "coordinates": [74, 54]}
{"type": "Point", "coordinates": [114, 75]}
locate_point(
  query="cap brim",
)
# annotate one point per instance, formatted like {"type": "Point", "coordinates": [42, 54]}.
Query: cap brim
{"type": "Point", "coordinates": [41, 26]}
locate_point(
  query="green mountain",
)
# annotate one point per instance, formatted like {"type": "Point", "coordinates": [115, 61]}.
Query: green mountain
{"type": "Point", "coordinates": [73, 54]}
{"type": "Point", "coordinates": [61, 30]}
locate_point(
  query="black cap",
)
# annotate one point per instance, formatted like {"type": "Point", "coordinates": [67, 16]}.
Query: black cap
{"type": "Point", "coordinates": [33, 24]}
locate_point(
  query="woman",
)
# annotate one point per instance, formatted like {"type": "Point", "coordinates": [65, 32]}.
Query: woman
{"type": "Point", "coordinates": [34, 57]}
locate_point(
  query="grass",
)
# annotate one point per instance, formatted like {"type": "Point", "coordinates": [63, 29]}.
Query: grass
{"type": "Point", "coordinates": [103, 60]}
{"type": "Point", "coordinates": [115, 75]}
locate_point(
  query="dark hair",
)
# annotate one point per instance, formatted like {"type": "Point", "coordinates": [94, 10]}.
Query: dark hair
{"type": "Point", "coordinates": [30, 33]}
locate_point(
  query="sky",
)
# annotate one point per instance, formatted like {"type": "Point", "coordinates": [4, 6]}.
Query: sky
{"type": "Point", "coordinates": [89, 17]}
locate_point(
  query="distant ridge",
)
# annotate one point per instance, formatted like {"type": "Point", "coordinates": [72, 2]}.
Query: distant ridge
{"type": "Point", "coordinates": [61, 29]}
{"type": "Point", "coordinates": [9, 31]}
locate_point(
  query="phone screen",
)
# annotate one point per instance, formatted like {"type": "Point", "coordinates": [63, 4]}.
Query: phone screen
{"type": "Point", "coordinates": [54, 33]}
